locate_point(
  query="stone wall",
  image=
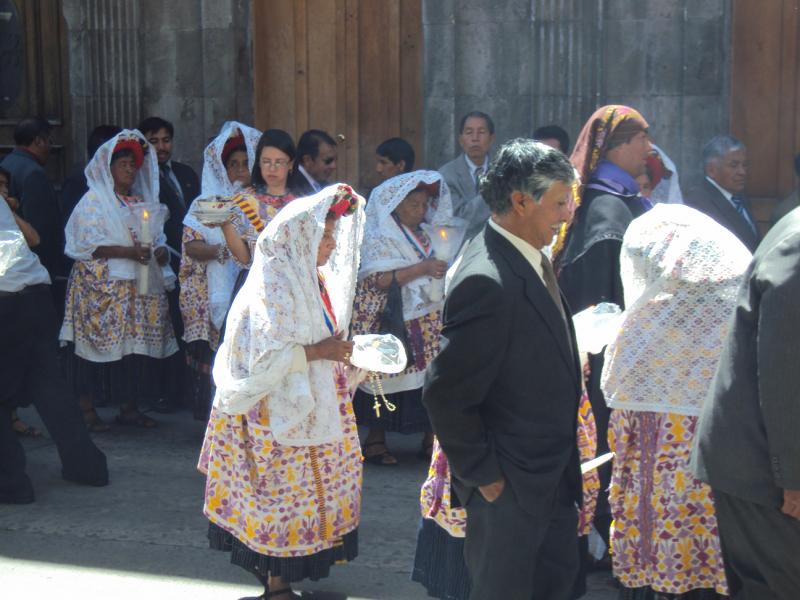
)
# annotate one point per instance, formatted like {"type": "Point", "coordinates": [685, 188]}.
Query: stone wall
{"type": "Point", "coordinates": [535, 62]}
{"type": "Point", "coordinates": [186, 61]}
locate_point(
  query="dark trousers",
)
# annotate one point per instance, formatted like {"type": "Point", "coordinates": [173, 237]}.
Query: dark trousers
{"type": "Point", "coordinates": [514, 555]}
{"type": "Point", "coordinates": [761, 549]}
{"type": "Point", "coordinates": [29, 373]}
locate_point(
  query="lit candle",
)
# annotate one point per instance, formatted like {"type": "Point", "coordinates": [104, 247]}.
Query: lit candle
{"type": "Point", "coordinates": [143, 272]}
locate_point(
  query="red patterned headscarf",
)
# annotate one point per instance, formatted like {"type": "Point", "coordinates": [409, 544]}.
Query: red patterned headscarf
{"type": "Point", "coordinates": [606, 124]}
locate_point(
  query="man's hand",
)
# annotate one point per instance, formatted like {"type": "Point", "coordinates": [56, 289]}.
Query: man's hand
{"type": "Point", "coordinates": [162, 256]}
{"type": "Point", "coordinates": [492, 491]}
{"type": "Point", "coordinates": [791, 503]}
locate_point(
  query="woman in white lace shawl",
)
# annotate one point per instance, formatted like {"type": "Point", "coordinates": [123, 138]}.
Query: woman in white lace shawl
{"type": "Point", "coordinates": [208, 272]}
{"type": "Point", "coordinates": [680, 272]}
{"type": "Point", "coordinates": [111, 325]}
{"type": "Point", "coordinates": [281, 453]}
{"type": "Point", "coordinates": [396, 247]}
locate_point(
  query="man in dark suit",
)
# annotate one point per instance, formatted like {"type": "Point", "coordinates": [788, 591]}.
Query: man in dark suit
{"type": "Point", "coordinates": [316, 162]}
{"type": "Point", "coordinates": [37, 198]}
{"type": "Point", "coordinates": [721, 194]}
{"type": "Point", "coordinates": [747, 446]}
{"type": "Point", "coordinates": [503, 392]}
{"type": "Point", "coordinates": [178, 186]}
{"type": "Point", "coordinates": [462, 174]}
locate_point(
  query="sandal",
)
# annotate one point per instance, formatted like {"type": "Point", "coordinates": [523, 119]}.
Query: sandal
{"type": "Point", "coordinates": [135, 419]}
{"type": "Point", "coordinates": [93, 421]}
{"type": "Point", "coordinates": [22, 429]}
{"type": "Point", "coordinates": [382, 459]}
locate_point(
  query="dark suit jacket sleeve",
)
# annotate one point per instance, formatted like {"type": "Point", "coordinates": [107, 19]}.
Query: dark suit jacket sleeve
{"type": "Point", "coordinates": [473, 343]}
{"type": "Point", "coordinates": [778, 351]}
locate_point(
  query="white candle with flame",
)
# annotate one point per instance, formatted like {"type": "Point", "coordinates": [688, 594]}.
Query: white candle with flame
{"type": "Point", "coordinates": [143, 273]}
{"type": "Point", "coordinates": [445, 241]}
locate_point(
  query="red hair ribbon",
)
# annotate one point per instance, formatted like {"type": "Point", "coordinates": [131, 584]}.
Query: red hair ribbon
{"type": "Point", "coordinates": [344, 203]}
{"type": "Point", "coordinates": [234, 142]}
{"type": "Point", "coordinates": [135, 146]}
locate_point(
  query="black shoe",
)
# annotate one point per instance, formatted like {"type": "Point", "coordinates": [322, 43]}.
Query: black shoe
{"type": "Point", "coordinates": [99, 479]}
{"type": "Point", "coordinates": [88, 471]}
{"type": "Point", "coordinates": [163, 406]}
{"type": "Point", "coordinates": [20, 495]}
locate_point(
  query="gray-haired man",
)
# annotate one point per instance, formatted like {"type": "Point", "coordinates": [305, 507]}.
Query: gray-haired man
{"type": "Point", "coordinates": [503, 392]}
{"type": "Point", "coordinates": [721, 195]}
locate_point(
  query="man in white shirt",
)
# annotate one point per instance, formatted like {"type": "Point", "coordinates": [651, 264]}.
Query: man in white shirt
{"type": "Point", "coordinates": [29, 370]}
{"type": "Point", "coordinates": [462, 174]}
{"type": "Point", "coordinates": [721, 194]}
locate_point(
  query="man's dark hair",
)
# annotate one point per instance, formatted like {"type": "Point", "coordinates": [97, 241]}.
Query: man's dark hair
{"type": "Point", "coordinates": [308, 144]}
{"type": "Point", "coordinates": [272, 138]}
{"type": "Point", "coordinates": [6, 174]}
{"type": "Point", "coordinates": [553, 132]}
{"type": "Point", "coordinates": [153, 124]}
{"type": "Point", "coordinates": [526, 166]}
{"type": "Point", "coordinates": [478, 115]}
{"type": "Point", "coordinates": [397, 149]}
{"type": "Point", "coordinates": [99, 136]}
{"type": "Point", "coordinates": [30, 128]}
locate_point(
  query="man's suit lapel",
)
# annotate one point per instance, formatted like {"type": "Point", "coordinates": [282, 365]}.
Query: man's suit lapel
{"type": "Point", "coordinates": [735, 221]}
{"type": "Point", "coordinates": [537, 295]}
{"type": "Point", "coordinates": [464, 178]}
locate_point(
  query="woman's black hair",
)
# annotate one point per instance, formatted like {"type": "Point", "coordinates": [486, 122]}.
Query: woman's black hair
{"type": "Point", "coordinates": [272, 138]}
{"type": "Point", "coordinates": [123, 153]}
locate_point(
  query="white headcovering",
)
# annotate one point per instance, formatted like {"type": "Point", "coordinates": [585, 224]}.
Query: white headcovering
{"type": "Point", "coordinates": [387, 248]}
{"type": "Point", "coordinates": [100, 219]}
{"type": "Point", "coordinates": [681, 272]}
{"type": "Point", "coordinates": [280, 308]}
{"type": "Point", "coordinates": [215, 182]}
{"type": "Point", "coordinates": [668, 190]}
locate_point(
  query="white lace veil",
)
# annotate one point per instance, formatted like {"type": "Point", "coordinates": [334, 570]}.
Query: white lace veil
{"type": "Point", "coordinates": [668, 190]}
{"type": "Point", "coordinates": [386, 247]}
{"type": "Point", "coordinates": [681, 272]}
{"type": "Point", "coordinates": [100, 220]}
{"type": "Point", "coordinates": [215, 182]}
{"type": "Point", "coordinates": [278, 309]}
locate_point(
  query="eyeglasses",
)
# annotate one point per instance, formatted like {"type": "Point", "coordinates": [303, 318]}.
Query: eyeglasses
{"type": "Point", "coordinates": [329, 160]}
{"type": "Point", "coordinates": [279, 163]}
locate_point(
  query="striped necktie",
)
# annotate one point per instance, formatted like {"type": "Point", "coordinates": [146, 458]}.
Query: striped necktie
{"type": "Point", "coordinates": [738, 204]}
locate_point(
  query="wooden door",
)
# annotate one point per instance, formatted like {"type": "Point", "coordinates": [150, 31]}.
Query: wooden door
{"type": "Point", "coordinates": [765, 95]}
{"type": "Point", "coordinates": [33, 74]}
{"type": "Point", "coordinates": [350, 67]}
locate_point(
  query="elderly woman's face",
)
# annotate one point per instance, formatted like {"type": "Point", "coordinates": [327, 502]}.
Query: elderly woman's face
{"type": "Point", "coordinates": [411, 211]}
{"type": "Point", "coordinates": [328, 243]}
{"type": "Point", "coordinates": [123, 172]}
{"type": "Point", "coordinates": [236, 168]}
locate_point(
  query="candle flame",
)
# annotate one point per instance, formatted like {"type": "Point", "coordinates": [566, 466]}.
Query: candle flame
{"type": "Point", "coordinates": [443, 234]}
{"type": "Point", "coordinates": [145, 215]}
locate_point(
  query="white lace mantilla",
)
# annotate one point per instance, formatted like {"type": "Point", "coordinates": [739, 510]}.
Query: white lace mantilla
{"type": "Point", "coordinates": [277, 311]}
{"type": "Point", "coordinates": [681, 272]}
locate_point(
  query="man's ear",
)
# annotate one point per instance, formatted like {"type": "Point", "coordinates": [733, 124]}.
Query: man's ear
{"type": "Point", "coordinates": [518, 201]}
{"type": "Point", "coordinates": [402, 164]}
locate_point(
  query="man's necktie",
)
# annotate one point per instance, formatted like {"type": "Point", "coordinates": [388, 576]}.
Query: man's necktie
{"type": "Point", "coordinates": [167, 171]}
{"type": "Point", "coordinates": [738, 204]}
{"type": "Point", "coordinates": [478, 173]}
{"type": "Point", "coordinates": [549, 277]}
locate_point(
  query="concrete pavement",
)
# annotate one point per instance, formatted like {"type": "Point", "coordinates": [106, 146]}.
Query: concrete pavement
{"type": "Point", "coordinates": [143, 536]}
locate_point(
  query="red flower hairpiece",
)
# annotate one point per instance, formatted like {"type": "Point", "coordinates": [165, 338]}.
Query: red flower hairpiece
{"type": "Point", "coordinates": [344, 203]}
{"type": "Point", "coordinates": [234, 142]}
{"type": "Point", "coordinates": [134, 145]}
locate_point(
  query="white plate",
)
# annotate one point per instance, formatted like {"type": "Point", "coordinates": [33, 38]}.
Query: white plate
{"type": "Point", "coordinates": [381, 353]}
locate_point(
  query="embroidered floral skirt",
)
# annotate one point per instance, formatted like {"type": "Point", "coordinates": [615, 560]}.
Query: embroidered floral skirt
{"type": "Point", "coordinates": [665, 533]}
{"type": "Point", "coordinates": [289, 510]}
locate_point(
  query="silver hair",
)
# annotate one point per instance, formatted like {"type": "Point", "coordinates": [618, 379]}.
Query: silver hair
{"type": "Point", "coordinates": [719, 146]}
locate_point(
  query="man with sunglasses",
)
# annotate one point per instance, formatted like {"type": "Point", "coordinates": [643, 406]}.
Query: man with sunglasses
{"type": "Point", "coordinates": [316, 162]}
{"type": "Point", "coordinates": [38, 202]}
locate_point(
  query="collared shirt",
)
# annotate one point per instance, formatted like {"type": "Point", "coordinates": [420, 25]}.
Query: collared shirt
{"type": "Point", "coordinates": [19, 266]}
{"type": "Point", "coordinates": [529, 253]}
{"type": "Point", "coordinates": [473, 167]}
{"type": "Point", "coordinates": [315, 185]}
{"type": "Point", "coordinates": [729, 197]}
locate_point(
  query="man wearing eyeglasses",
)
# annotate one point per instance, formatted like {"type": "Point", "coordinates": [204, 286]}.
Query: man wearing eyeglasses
{"type": "Point", "coordinates": [37, 198]}
{"type": "Point", "coordinates": [316, 162]}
